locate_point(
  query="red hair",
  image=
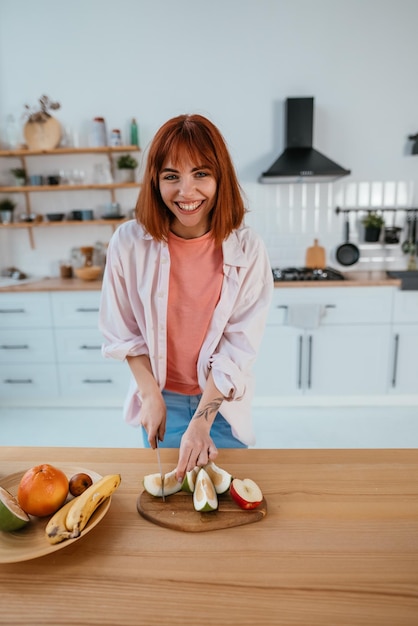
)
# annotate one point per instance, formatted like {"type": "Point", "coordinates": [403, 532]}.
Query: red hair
{"type": "Point", "coordinates": [194, 137]}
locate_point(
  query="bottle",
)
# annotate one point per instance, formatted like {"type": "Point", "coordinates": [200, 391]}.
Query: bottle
{"type": "Point", "coordinates": [98, 137]}
{"type": "Point", "coordinates": [115, 137]}
{"type": "Point", "coordinates": [134, 133]}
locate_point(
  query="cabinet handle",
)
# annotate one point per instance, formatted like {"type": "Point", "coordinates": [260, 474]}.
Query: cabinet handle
{"type": "Point", "coordinates": [22, 347]}
{"type": "Point", "coordinates": [300, 362]}
{"type": "Point", "coordinates": [87, 310]}
{"type": "Point", "coordinates": [12, 311]}
{"type": "Point", "coordinates": [85, 347]}
{"type": "Point", "coordinates": [17, 381]}
{"type": "Point", "coordinates": [330, 306]}
{"type": "Point", "coordinates": [309, 361]}
{"type": "Point", "coordinates": [395, 361]}
{"type": "Point", "coordinates": [106, 381]}
{"type": "Point", "coordinates": [282, 306]}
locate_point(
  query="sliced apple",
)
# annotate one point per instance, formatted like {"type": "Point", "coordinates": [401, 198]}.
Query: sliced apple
{"type": "Point", "coordinates": [152, 484]}
{"type": "Point", "coordinates": [246, 493]}
{"type": "Point", "coordinates": [221, 478]}
{"type": "Point", "coordinates": [204, 495]}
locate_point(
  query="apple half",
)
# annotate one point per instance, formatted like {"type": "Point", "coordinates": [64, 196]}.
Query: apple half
{"type": "Point", "coordinates": [246, 493]}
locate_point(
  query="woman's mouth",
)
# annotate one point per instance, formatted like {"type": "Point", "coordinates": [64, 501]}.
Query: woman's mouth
{"type": "Point", "coordinates": [189, 206]}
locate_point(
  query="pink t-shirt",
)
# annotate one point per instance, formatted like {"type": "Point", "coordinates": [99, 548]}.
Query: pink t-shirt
{"type": "Point", "coordinates": [196, 275]}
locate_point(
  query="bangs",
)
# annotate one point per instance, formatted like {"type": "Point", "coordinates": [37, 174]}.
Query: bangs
{"type": "Point", "coordinates": [191, 145]}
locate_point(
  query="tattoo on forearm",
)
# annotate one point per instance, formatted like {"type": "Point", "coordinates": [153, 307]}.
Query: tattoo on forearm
{"type": "Point", "coordinates": [211, 407]}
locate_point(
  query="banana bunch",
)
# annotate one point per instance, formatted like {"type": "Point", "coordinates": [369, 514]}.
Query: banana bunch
{"type": "Point", "coordinates": [71, 519]}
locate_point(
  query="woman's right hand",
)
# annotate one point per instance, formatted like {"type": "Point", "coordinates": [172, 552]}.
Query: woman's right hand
{"type": "Point", "coordinates": [153, 416]}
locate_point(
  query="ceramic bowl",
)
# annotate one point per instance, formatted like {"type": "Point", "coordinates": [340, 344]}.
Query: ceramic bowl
{"type": "Point", "coordinates": [55, 217]}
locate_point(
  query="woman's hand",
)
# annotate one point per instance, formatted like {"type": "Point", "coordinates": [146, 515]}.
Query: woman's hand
{"type": "Point", "coordinates": [196, 448]}
{"type": "Point", "coordinates": [153, 416]}
{"type": "Point", "coordinates": [153, 409]}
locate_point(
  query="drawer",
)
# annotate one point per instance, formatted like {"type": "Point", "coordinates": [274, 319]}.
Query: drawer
{"type": "Point", "coordinates": [107, 379]}
{"type": "Point", "coordinates": [79, 345]}
{"type": "Point", "coordinates": [26, 345]}
{"type": "Point", "coordinates": [25, 310]}
{"type": "Point", "coordinates": [345, 305]}
{"type": "Point", "coordinates": [28, 380]}
{"type": "Point", "coordinates": [75, 309]}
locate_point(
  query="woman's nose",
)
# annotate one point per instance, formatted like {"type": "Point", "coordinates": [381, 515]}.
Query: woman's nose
{"type": "Point", "coordinates": [187, 186]}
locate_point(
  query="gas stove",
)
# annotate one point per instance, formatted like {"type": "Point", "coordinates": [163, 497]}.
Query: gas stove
{"type": "Point", "coordinates": [305, 273]}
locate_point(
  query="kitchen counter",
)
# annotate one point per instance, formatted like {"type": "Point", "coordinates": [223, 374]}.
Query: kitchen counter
{"type": "Point", "coordinates": [339, 545]}
{"type": "Point", "coordinates": [353, 279]}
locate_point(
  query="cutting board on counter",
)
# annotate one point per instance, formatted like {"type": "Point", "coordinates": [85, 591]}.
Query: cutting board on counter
{"type": "Point", "coordinates": [178, 513]}
{"type": "Point", "coordinates": [315, 257]}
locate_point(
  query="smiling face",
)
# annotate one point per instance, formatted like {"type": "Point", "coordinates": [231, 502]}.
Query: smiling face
{"type": "Point", "coordinates": [188, 190]}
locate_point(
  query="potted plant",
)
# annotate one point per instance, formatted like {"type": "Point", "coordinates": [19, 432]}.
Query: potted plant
{"type": "Point", "coordinates": [126, 165]}
{"type": "Point", "coordinates": [20, 176]}
{"type": "Point", "coordinates": [7, 207]}
{"type": "Point", "coordinates": [373, 225]}
{"type": "Point", "coordinates": [42, 131]}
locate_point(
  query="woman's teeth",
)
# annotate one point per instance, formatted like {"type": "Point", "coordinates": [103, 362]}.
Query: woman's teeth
{"type": "Point", "coordinates": [189, 207]}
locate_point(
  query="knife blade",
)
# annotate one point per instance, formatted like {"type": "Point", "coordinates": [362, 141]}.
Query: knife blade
{"type": "Point", "coordinates": [160, 468]}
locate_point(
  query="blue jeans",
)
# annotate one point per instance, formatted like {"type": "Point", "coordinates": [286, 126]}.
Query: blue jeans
{"type": "Point", "coordinates": [180, 410]}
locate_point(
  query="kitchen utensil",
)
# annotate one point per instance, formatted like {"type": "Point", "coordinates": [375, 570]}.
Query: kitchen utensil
{"type": "Point", "coordinates": [160, 468]}
{"type": "Point", "coordinates": [178, 513]}
{"type": "Point", "coordinates": [315, 256]}
{"type": "Point", "coordinates": [347, 253]}
{"type": "Point", "coordinates": [31, 543]}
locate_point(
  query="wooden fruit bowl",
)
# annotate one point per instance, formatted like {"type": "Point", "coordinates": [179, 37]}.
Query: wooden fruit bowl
{"type": "Point", "coordinates": [91, 272]}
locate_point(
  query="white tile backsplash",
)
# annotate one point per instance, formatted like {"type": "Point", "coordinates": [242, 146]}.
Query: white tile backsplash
{"type": "Point", "coordinates": [290, 217]}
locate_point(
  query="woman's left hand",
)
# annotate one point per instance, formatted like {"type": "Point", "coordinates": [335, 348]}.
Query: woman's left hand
{"type": "Point", "coordinates": [196, 448]}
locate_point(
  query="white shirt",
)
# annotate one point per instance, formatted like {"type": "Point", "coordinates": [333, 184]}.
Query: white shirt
{"type": "Point", "coordinates": [133, 316]}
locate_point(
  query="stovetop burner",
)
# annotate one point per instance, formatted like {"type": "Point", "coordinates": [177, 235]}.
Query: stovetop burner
{"type": "Point", "coordinates": [305, 273]}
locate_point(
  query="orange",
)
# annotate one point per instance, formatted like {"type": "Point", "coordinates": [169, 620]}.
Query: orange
{"type": "Point", "coordinates": [42, 490]}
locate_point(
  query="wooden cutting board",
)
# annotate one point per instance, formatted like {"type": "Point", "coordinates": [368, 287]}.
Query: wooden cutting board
{"type": "Point", "coordinates": [178, 513]}
{"type": "Point", "coordinates": [315, 256]}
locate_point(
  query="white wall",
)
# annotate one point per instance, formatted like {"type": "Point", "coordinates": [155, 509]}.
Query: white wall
{"type": "Point", "coordinates": [235, 61]}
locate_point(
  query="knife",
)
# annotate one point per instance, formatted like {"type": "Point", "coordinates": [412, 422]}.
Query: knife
{"type": "Point", "coordinates": [160, 467]}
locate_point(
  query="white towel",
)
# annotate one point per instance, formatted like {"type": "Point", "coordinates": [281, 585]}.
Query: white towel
{"type": "Point", "coordinates": [305, 315]}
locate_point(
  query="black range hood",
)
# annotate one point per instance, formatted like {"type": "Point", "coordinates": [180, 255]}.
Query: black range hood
{"type": "Point", "coordinates": [300, 162]}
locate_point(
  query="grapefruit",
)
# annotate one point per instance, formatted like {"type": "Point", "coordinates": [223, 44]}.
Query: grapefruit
{"type": "Point", "coordinates": [12, 516]}
{"type": "Point", "coordinates": [42, 490]}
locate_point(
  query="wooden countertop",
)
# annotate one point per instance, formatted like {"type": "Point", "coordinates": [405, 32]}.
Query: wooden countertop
{"type": "Point", "coordinates": [339, 546]}
{"type": "Point", "coordinates": [353, 279]}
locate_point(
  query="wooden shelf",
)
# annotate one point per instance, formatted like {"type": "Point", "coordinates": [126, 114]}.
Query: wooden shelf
{"type": "Point", "coordinates": [57, 151]}
{"type": "Point", "coordinates": [45, 188]}
{"type": "Point", "coordinates": [63, 223]}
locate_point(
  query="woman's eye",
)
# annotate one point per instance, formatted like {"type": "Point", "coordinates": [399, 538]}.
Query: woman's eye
{"type": "Point", "coordinates": [170, 177]}
{"type": "Point", "coordinates": [202, 174]}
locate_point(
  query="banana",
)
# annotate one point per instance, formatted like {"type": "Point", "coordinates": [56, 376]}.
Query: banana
{"type": "Point", "coordinates": [56, 530]}
{"type": "Point", "coordinates": [84, 505]}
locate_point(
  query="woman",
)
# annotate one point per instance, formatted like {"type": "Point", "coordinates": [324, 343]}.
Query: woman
{"type": "Point", "coordinates": [185, 297]}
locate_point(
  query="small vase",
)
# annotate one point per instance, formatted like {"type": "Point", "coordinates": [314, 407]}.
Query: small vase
{"type": "Point", "coordinates": [42, 135]}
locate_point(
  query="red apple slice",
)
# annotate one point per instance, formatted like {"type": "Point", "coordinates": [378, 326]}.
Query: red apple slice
{"type": "Point", "coordinates": [246, 493]}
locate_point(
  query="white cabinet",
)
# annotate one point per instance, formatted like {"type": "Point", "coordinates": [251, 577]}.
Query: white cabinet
{"type": "Point", "coordinates": [82, 370]}
{"type": "Point", "coordinates": [27, 349]}
{"type": "Point", "coordinates": [346, 354]}
{"type": "Point", "coordinates": [50, 347]}
{"type": "Point", "coordinates": [404, 368]}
